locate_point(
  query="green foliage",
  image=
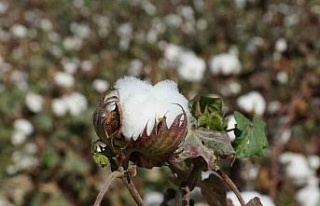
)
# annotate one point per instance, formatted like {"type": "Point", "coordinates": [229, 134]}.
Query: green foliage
{"type": "Point", "coordinates": [208, 112]}
{"type": "Point", "coordinates": [250, 136]}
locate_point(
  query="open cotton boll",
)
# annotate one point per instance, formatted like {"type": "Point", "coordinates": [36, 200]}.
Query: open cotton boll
{"type": "Point", "coordinates": [143, 105]}
{"type": "Point", "coordinates": [252, 102]}
{"type": "Point", "coordinates": [225, 64]}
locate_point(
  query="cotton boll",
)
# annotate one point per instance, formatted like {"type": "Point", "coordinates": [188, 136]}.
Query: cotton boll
{"type": "Point", "coordinates": [281, 45]}
{"type": "Point", "coordinates": [252, 102]}
{"type": "Point", "coordinates": [24, 126]}
{"type": "Point", "coordinates": [59, 107]}
{"type": "Point", "coordinates": [296, 167]}
{"type": "Point", "coordinates": [172, 52]}
{"type": "Point", "coordinates": [153, 198]}
{"type": "Point", "coordinates": [158, 101]}
{"type": "Point", "coordinates": [310, 194]}
{"type": "Point", "coordinates": [18, 138]}
{"type": "Point", "coordinates": [248, 195]}
{"type": "Point", "coordinates": [225, 64]}
{"type": "Point", "coordinates": [76, 103]}
{"type": "Point", "coordinates": [34, 102]}
{"type": "Point", "coordinates": [64, 79]}
{"type": "Point", "coordinates": [191, 67]}
{"type": "Point", "coordinates": [231, 125]}
{"type": "Point", "coordinates": [100, 85]}
{"type": "Point", "coordinates": [19, 31]}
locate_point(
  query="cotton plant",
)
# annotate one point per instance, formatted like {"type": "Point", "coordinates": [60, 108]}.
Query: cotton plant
{"type": "Point", "coordinates": [144, 125]}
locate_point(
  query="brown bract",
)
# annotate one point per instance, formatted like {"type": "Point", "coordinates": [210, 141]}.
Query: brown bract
{"type": "Point", "coordinates": [149, 150]}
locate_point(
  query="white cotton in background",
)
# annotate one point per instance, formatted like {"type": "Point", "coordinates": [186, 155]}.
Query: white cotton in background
{"type": "Point", "coordinates": [59, 107]}
{"type": "Point", "coordinates": [100, 85]}
{"type": "Point", "coordinates": [206, 174]}
{"type": "Point", "coordinates": [72, 43]}
{"type": "Point", "coordinates": [152, 198]}
{"type": "Point", "coordinates": [230, 88]}
{"type": "Point", "coordinates": [24, 126]}
{"type": "Point", "coordinates": [80, 30]}
{"type": "Point", "coordinates": [46, 25]}
{"type": "Point", "coordinates": [34, 102]}
{"type": "Point", "coordinates": [3, 7]}
{"type": "Point", "coordinates": [282, 77]}
{"type": "Point", "coordinates": [296, 167]}
{"type": "Point", "coordinates": [19, 31]}
{"type": "Point", "coordinates": [231, 125]}
{"type": "Point", "coordinates": [225, 64]}
{"type": "Point", "coordinates": [70, 65]}
{"type": "Point", "coordinates": [76, 103]}
{"type": "Point", "coordinates": [135, 68]}
{"type": "Point", "coordinates": [252, 102]}
{"type": "Point", "coordinates": [172, 52]}
{"type": "Point", "coordinates": [191, 67]}
{"type": "Point", "coordinates": [22, 129]}
{"type": "Point", "coordinates": [274, 107]}
{"type": "Point", "coordinates": [64, 79]}
{"type": "Point", "coordinates": [310, 194]}
{"type": "Point", "coordinates": [143, 104]}
{"type": "Point", "coordinates": [281, 45]}
{"type": "Point", "coordinates": [248, 195]}
{"type": "Point", "coordinates": [86, 65]}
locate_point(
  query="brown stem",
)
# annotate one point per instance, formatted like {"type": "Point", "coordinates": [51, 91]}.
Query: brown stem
{"type": "Point", "coordinates": [106, 186]}
{"type": "Point", "coordinates": [185, 192]}
{"type": "Point", "coordinates": [133, 191]}
{"type": "Point", "coordinates": [232, 186]}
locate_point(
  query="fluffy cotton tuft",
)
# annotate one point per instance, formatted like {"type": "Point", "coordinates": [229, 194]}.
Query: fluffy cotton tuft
{"type": "Point", "coordinates": [143, 105]}
{"type": "Point", "coordinates": [252, 102]}
{"type": "Point", "coordinates": [225, 64]}
{"type": "Point", "coordinates": [190, 67]}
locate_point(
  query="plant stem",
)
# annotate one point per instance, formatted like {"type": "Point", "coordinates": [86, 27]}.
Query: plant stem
{"type": "Point", "coordinates": [133, 191]}
{"type": "Point", "coordinates": [106, 186]}
{"type": "Point", "coordinates": [232, 186]}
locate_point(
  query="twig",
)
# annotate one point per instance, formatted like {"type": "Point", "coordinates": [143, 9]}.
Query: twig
{"type": "Point", "coordinates": [232, 186]}
{"type": "Point", "coordinates": [185, 192]}
{"type": "Point", "coordinates": [133, 191]}
{"type": "Point", "coordinates": [113, 176]}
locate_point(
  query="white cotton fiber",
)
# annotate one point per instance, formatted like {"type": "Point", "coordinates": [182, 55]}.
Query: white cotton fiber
{"type": "Point", "coordinates": [143, 104]}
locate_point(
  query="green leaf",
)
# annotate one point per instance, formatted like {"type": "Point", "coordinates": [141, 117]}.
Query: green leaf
{"type": "Point", "coordinates": [250, 136]}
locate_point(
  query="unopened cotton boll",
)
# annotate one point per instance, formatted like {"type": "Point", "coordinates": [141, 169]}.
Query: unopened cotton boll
{"type": "Point", "coordinates": [253, 102]}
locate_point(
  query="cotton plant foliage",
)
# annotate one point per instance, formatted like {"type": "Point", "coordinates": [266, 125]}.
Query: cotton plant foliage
{"type": "Point", "coordinates": [142, 122]}
{"type": "Point", "coordinates": [155, 125]}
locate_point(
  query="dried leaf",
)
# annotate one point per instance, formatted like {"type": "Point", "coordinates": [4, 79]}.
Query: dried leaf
{"type": "Point", "coordinates": [214, 190]}
{"type": "Point", "coordinates": [254, 202]}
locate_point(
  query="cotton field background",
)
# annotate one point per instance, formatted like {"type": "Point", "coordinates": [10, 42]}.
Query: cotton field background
{"type": "Point", "coordinates": [58, 59]}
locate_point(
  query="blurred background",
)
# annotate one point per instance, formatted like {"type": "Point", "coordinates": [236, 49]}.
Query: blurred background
{"type": "Point", "coordinates": [58, 58]}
